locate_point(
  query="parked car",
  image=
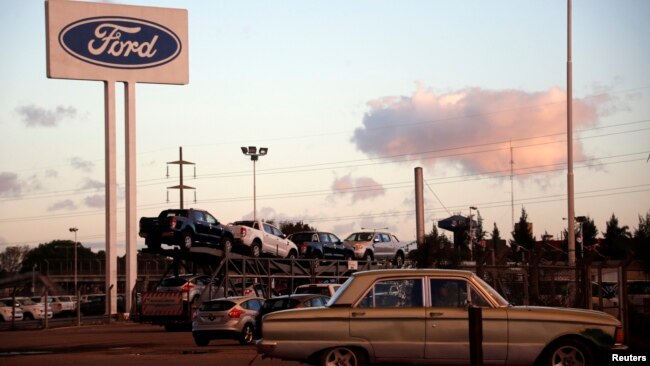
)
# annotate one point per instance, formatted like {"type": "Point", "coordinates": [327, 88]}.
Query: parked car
{"type": "Point", "coordinates": [193, 287]}
{"type": "Point", "coordinates": [376, 245]}
{"type": "Point", "coordinates": [321, 245]}
{"type": "Point", "coordinates": [287, 302]}
{"type": "Point", "coordinates": [60, 305]}
{"type": "Point", "coordinates": [8, 311]}
{"type": "Point", "coordinates": [231, 318]}
{"type": "Point", "coordinates": [255, 290]}
{"type": "Point", "coordinates": [32, 310]}
{"type": "Point", "coordinates": [421, 316]}
{"type": "Point", "coordinates": [327, 289]}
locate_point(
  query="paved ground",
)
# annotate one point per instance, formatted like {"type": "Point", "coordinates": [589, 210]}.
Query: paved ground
{"type": "Point", "coordinates": [121, 343]}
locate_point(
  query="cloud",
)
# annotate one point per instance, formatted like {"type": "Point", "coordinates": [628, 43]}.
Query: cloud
{"type": "Point", "coordinates": [85, 166]}
{"type": "Point", "coordinates": [34, 116]}
{"type": "Point", "coordinates": [9, 185]}
{"type": "Point", "coordinates": [92, 184]}
{"type": "Point", "coordinates": [95, 201]}
{"type": "Point", "coordinates": [473, 128]}
{"type": "Point", "coordinates": [62, 205]}
{"type": "Point", "coordinates": [359, 189]}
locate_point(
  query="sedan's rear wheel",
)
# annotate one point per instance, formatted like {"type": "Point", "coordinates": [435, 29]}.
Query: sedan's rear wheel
{"type": "Point", "coordinates": [342, 356]}
{"type": "Point", "coordinates": [569, 352]}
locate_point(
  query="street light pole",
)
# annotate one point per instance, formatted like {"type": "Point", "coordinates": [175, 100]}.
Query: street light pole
{"type": "Point", "coordinates": [76, 293]}
{"type": "Point", "coordinates": [254, 153]}
{"type": "Point", "coordinates": [74, 230]}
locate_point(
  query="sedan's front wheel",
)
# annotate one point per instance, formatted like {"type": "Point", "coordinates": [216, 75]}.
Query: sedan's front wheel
{"type": "Point", "coordinates": [342, 356]}
{"type": "Point", "coordinates": [569, 352]}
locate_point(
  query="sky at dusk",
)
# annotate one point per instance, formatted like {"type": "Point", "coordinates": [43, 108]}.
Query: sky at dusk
{"type": "Point", "coordinates": [349, 97]}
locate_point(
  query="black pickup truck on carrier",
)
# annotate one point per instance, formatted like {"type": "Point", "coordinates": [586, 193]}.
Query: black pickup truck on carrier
{"type": "Point", "coordinates": [185, 228]}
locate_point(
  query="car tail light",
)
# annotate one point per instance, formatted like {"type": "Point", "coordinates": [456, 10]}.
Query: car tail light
{"type": "Point", "coordinates": [172, 222]}
{"type": "Point", "coordinates": [242, 231]}
{"type": "Point", "coordinates": [619, 335]}
{"type": "Point", "coordinates": [235, 313]}
{"type": "Point", "coordinates": [187, 287]}
{"type": "Point", "coordinates": [303, 248]}
{"type": "Point", "coordinates": [248, 291]}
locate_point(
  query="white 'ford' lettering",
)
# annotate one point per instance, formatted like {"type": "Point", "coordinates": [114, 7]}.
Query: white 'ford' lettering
{"type": "Point", "coordinates": [109, 36]}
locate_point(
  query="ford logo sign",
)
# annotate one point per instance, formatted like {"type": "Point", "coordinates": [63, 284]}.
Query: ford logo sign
{"type": "Point", "coordinates": [120, 42]}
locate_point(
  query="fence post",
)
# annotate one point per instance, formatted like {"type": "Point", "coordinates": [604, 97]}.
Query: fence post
{"type": "Point", "coordinates": [475, 315]}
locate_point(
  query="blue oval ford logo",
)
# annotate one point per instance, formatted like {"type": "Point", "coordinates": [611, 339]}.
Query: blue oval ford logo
{"type": "Point", "coordinates": [120, 42]}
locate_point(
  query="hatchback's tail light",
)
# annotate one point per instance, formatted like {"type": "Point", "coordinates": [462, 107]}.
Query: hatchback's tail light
{"type": "Point", "coordinates": [235, 313]}
{"type": "Point", "coordinates": [187, 287]}
{"type": "Point", "coordinates": [242, 231]}
{"type": "Point", "coordinates": [303, 248]}
{"type": "Point", "coordinates": [172, 222]}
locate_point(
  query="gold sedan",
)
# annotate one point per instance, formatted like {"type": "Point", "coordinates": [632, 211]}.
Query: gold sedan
{"type": "Point", "coordinates": [421, 316]}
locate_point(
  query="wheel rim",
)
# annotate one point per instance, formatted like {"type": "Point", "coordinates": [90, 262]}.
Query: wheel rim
{"type": "Point", "coordinates": [227, 246]}
{"type": "Point", "coordinates": [568, 356]}
{"type": "Point", "coordinates": [341, 357]}
{"type": "Point", "coordinates": [399, 261]}
{"type": "Point", "coordinates": [256, 251]}
{"type": "Point", "coordinates": [187, 242]}
{"type": "Point", "coordinates": [248, 334]}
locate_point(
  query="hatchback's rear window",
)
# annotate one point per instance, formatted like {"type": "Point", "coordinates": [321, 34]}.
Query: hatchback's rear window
{"type": "Point", "coordinates": [216, 305]}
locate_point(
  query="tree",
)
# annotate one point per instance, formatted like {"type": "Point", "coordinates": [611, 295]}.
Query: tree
{"type": "Point", "coordinates": [11, 260]}
{"type": "Point", "coordinates": [288, 227]}
{"type": "Point", "coordinates": [435, 251]}
{"type": "Point", "coordinates": [617, 239]}
{"type": "Point", "coordinates": [522, 235]}
{"type": "Point", "coordinates": [642, 241]}
{"type": "Point", "coordinates": [59, 250]}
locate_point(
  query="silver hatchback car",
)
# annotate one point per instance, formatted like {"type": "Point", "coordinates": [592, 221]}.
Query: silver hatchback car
{"type": "Point", "coordinates": [231, 318]}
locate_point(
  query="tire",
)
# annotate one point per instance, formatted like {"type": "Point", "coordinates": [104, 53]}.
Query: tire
{"type": "Point", "coordinates": [342, 356]}
{"type": "Point", "coordinates": [28, 316]}
{"type": "Point", "coordinates": [256, 250]}
{"type": "Point", "coordinates": [399, 260]}
{"type": "Point", "coordinates": [367, 256]}
{"type": "Point", "coordinates": [247, 334]}
{"type": "Point", "coordinates": [226, 245]}
{"type": "Point", "coordinates": [201, 341]}
{"type": "Point", "coordinates": [187, 241]}
{"type": "Point", "coordinates": [569, 352]}
{"type": "Point", "coordinates": [292, 255]}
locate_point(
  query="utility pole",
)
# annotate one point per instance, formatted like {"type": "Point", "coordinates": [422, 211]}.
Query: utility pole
{"type": "Point", "coordinates": [180, 162]}
{"type": "Point", "coordinates": [569, 100]}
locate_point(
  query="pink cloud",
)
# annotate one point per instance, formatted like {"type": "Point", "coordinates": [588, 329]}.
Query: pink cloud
{"type": "Point", "coordinates": [359, 189]}
{"type": "Point", "coordinates": [474, 127]}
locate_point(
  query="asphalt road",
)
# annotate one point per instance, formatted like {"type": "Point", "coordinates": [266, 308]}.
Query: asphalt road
{"type": "Point", "coordinates": [121, 343]}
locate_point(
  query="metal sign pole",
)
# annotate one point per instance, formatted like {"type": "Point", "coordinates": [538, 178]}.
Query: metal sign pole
{"type": "Point", "coordinates": [131, 201]}
{"type": "Point", "coordinates": [111, 196]}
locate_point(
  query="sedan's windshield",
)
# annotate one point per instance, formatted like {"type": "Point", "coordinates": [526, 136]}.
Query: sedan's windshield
{"type": "Point", "coordinates": [492, 292]}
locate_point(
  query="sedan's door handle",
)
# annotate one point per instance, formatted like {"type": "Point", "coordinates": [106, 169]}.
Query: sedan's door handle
{"type": "Point", "coordinates": [435, 315]}
{"type": "Point", "coordinates": [358, 313]}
